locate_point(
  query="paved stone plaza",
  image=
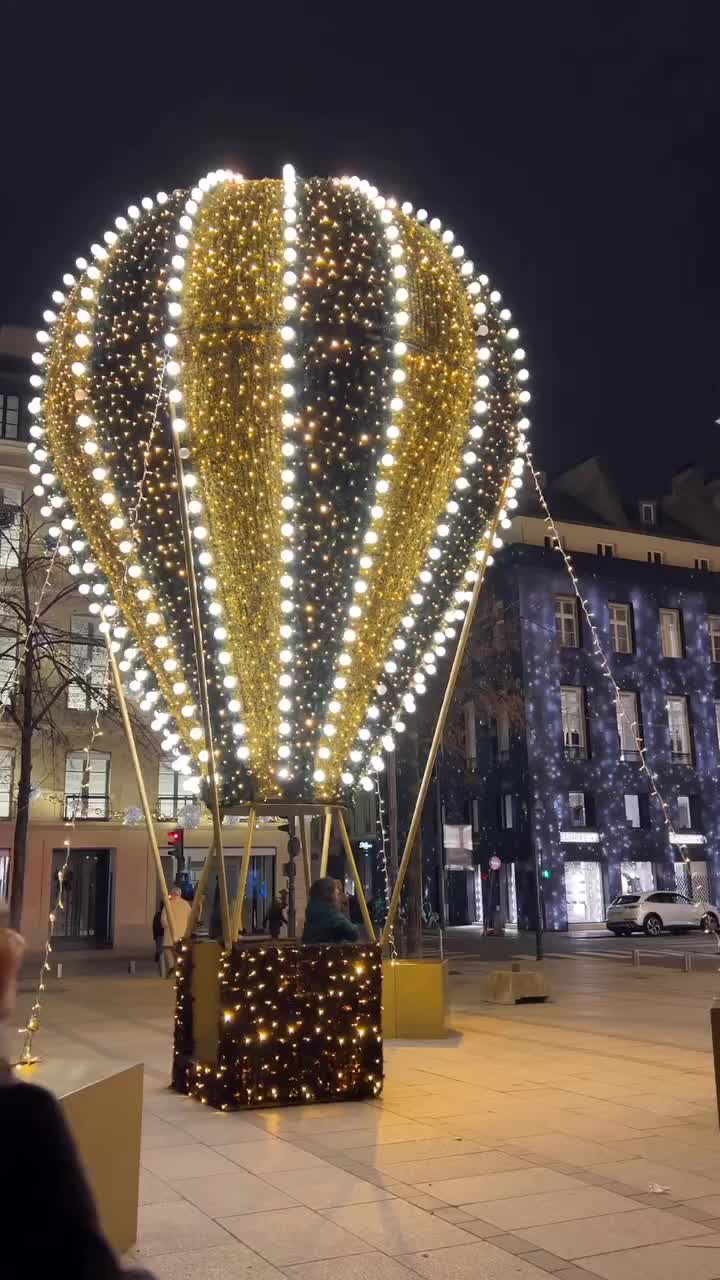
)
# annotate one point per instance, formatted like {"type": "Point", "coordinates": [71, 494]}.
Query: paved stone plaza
{"type": "Point", "coordinates": [575, 1138]}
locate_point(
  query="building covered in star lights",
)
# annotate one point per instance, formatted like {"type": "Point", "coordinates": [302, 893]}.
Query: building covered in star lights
{"type": "Point", "coordinates": [565, 788]}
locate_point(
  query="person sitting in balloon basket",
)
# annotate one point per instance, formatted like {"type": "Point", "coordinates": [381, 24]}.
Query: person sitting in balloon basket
{"type": "Point", "coordinates": [324, 920]}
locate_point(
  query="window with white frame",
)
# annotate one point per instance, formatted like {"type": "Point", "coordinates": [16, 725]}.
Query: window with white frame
{"type": "Point", "coordinates": [171, 797]}
{"type": "Point", "coordinates": [684, 813]}
{"type": "Point", "coordinates": [507, 812]}
{"type": "Point", "coordinates": [632, 809]}
{"type": "Point", "coordinates": [88, 657]}
{"type": "Point", "coordinates": [620, 628]}
{"type": "Point", "coordinates": [11, 500]}
{"type": "Point", "coordinates": [648, 512]}
{"type": "Point", "coordinates": [714, 627]}
{"type": "Point", "coordinates": [8, 655]}
{"type": "Point", "coordinates": [702, 564]}
{"type": "Point", "coordinates": [671, 633]}
{"type": "Point", "coordinates": [87, 785]}
{"type": "Point", "coordinates": [7, 782]}
{"type": "Point", "coordinates": [606, 549]}
{"type": "Point", "coordinates": [655, 557]}
{"type": "Point", "coordinates": [9, 415]}
{"type": "Point", "coordinates": [717, 721]}
{"type": "Point", "coordinates": [572, 710]}
{"type": "Point", "coordinates": [576, 804]}
{"type": "Point", "coordinates": [628, 724]}
{"type": "Point", "coordinates": [679, 727]}
{"type": "Point", "coordinates": [566, 622]}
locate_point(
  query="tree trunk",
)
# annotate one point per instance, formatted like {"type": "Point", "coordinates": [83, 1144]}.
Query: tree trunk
{"type": "Point", "coordinates": [22, 815]}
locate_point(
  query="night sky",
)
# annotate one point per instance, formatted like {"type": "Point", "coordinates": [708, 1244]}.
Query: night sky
{"type": "Point", "coordinates": [574, 149]}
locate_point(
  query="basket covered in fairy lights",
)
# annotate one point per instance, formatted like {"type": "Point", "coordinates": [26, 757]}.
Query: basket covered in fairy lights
{"type": "Point", "coordinates": [273, 1025]}
{"type": "Point", "coordinates": [350, 398]}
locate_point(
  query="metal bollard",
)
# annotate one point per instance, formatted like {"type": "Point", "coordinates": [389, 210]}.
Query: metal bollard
{"type": "Point", "coordinates": [636, 957]}
{"type": "Point", "coordinates": [59, 969]}
{"type": "Point", "coordinates": [687, 962]}
{"type": "Point", "coordinates": [131, 966]}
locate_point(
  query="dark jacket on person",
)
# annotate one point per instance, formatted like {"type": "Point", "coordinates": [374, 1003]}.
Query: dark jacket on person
{"type": "Point", "coordinates": [50, 1219]}
{"type": "Point", "coordinates": [324, 923]}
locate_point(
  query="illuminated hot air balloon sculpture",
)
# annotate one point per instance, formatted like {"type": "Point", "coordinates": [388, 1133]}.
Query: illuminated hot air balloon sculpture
{"type": "Point", "coordinates": [277, 425]}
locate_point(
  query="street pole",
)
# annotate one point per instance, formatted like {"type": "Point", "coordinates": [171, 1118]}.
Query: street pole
{"type": "Point", "coordinates": [539, 952]}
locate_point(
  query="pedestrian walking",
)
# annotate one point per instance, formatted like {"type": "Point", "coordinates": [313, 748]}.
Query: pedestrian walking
{"type": "Point", "coordinates": [275, 918]}
{"type": "Point", "coordinates": [179, 916]}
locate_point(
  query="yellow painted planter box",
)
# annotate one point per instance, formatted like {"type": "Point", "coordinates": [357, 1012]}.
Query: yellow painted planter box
{"type": "Point", "coordinates": [414, 999]}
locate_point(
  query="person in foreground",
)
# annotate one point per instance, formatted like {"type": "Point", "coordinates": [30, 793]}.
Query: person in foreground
{"type": "Point", "coordinates": [324, 921]}
{"type": "Point", "coordinates": [50, 1219]}
{"type": "Point", "coordinates": [179, 914]}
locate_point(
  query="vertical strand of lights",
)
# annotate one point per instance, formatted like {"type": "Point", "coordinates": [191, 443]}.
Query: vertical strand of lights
{"type": "Point", "coordinates": [602, 658]}
{"type": "Point", "coordinates": [195, 503]}
{"type": "Point", "coordinates": [393, 430]}
{"type": "Point", "coordinates": [289, 694]}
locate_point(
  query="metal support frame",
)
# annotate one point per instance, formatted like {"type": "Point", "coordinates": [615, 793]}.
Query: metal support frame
{"type": "Point", "coordinates": [147, 811]}
{"type": "Point", "coordinates": [327, 832]}
{"type": "Point", "coordinates": [200, 891]}
{"type": "Point", "coordinates": [307, 868]}
{"type": "Point", "coordinates": [202, 682]}
{"type": "Point", "coordinates": [243, 878]}
{"type": "Point", "coordinates": [356, 876]}
{"type": "Point", "coordinates": [439, 730]}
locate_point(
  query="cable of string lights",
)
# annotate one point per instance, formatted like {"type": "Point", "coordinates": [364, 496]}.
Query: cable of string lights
{"type": "Point", "coordinates": [380, 822]}
{"type": "Point", "coordinates": [600, 654]}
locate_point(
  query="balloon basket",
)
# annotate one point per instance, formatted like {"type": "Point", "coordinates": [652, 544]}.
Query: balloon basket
{"type": "Point", "coordinates": [277, 1025]}
{"type": "Point", "coordinates": [415, 999]}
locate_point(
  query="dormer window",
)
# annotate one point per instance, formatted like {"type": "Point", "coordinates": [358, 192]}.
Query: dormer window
{"type": "Point", "coordinates": [648, 512]}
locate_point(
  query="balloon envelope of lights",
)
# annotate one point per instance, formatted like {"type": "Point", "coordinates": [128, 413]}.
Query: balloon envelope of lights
{"type": "Point", "coordinates": [348, 399]}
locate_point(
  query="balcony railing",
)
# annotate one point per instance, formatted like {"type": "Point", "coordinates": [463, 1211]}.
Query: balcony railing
{"type": "Point", "coordinates": [85, 807]}
{"type": "Point", "coordinates": [630, 757]}
{"type": "Point", "coordinates": [575, 750]}
{"type": "Point", "coordinates": [167, 806]}
{"type": "Point", "coordinates": [681, 757]}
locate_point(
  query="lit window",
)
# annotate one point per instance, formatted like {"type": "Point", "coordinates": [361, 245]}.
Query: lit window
{"type": "Point", "coordinates": [620, 628]}
{"type": "Point", "coordinates": [7, 780]}
{"type": "Point", "coordinates": [88, 660]}
{"type": "Point", "coordinates": [8, 655]}
{"type": "Point", "coordinates": [576, 801]}
{"type": "Point", "coordinates": [628, 725]}
{"type": "Point", "coordinates": [507, 812]}
{"type": "Point", "coordinates": [670, 633]}
{"type": "Point", "coordinates": [11, 500]}
{"type": "Point", "coordinates": [170, 797]}
{"type": "Point", "coordinates": [717, 721]}
{"type": "Point", "coordinates": [684, 816]}
{"type": "Point", "coordinates": [632, 810]}
{"type": "Point", "coordinates": [606, 549]}
{"type": "Point", "coordinates": [553, 544]}
{"type": "Point", "coordinates": [702, 564]}
{"type": "Point", "coordinates": [87, 785]}
{"type": "Point", "coordinates": [566, 622]}
{"type": "Point", "coordinates": [714, 625]}
{"type": "Point", "coordinates": [655, 557]}
{"type": "Point", "coordinates": [679, 730]}
{"type": "Point", "coordinates": [9, 416]}
{"type": "Point", "coordinates": [648, 512]}
{"type": "Point", "coordinates": [572, 710]}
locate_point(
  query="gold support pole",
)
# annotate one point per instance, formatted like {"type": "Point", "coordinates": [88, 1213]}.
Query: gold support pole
{"type": "Point", "coordinates": [439, 730]}
{"type": "Point", "coordinates": [327, 831]}
{"type": "Point", "coordinates": [305, 854]}
{"type": "Point", "coordinates": [149, 817]}
{"type": "Point", "coordinates": [242, 881]}
{"type": "Point", "coordinates": [356, 876]}
{"type": "Point", "coordinates": [200, 891]}
{"type": "Point", "coordinates": [202, 681]}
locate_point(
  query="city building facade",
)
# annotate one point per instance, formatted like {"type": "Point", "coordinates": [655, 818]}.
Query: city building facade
{"type": "Point", "coordinates": [561, 798]}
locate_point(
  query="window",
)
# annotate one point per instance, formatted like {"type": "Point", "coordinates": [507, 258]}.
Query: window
{"type": "Point", "coordinates": [717, 721]}
{"type": "Point", "coordinates": [637, 810]}
{"type": "Point", "coordinates": [576, 803]}
{"type": "Point", "coordinates": [11, 500]}
{"type": "Point", "coordinates": [507, 812]}
{"type": "Point", "coordinates": [566, 622]}
{"type": "Point", "coordinates": [8, 655]}
{"type": "Point", "coordinates": [4, 875]}
{"type": "Point", "coordinates": [171, 797]}
{"type": "Point", "coordinates": [475, 813]}
{"type": "Point", "coordinates": [606, 549]}
{"type": "Point", "coordinates": [502, 729]}
{"type": "Point", "coordinates": [670, 633]}
{"type": "Point", "coordinates": [553, 544]}
{"type": "Point", "coordinates": [470, 735]}
{"type": "Point", "coordinates": [655, 557]}
{"type": "Point", "coordinates": [702, 564]}
{"type": "Point", "coordinates": [628, 723]}
{"type": "Point", "coordinates": [9, 416]}
{"type": "Point", "coordinates": [572, 710]}
{"type": "Point", "coordinates": [679, 730]}
{"type": "Point", "coordinates": [648, 512]}
{"type": "Point", "coordinates": [87, 785]}
{"type": "Point", "coordinates": [7, 780]}
{"type": "Point", "coordinates": [88, 657]}
{"type": "Point", "coordinates": [714, 625]}
{"type": "Point", "coordinates": [684, 814]}
{"type": "Point", "coordinates": [620, 628]}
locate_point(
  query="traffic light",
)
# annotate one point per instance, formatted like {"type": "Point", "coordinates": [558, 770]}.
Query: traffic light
{"type": "Point", "coordinates": [546, 874]}
{"type": "Point", "coordinates": [175, 843]}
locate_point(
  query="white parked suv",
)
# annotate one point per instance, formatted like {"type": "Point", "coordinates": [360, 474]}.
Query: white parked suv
{"type": "Point", "coordinates": [650, 913]}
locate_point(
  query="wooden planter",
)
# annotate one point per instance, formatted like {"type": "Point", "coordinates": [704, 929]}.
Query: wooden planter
{"type": "Point", "coordinates": [277, 1024]}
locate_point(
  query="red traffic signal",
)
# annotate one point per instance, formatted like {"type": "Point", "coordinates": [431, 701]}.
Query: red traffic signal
{"type": "Point", "coordinates": [175, 838]}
